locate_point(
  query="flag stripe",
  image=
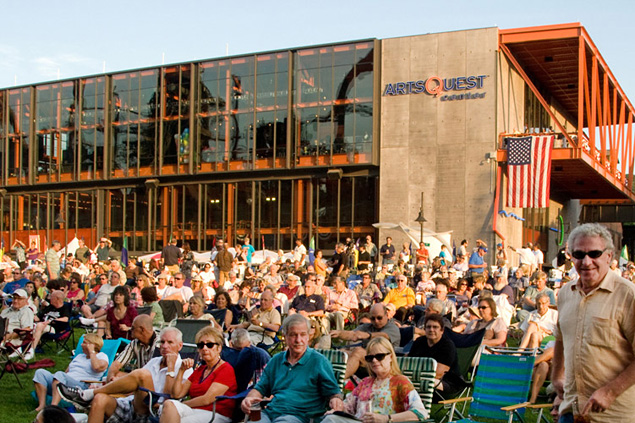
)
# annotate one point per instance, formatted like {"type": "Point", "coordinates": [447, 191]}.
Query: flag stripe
{"type": "Point", "coordinates": [529, 171]}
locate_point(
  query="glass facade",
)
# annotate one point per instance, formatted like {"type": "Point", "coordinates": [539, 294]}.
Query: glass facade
{"type": "Point", "coordinates": [231, 147]}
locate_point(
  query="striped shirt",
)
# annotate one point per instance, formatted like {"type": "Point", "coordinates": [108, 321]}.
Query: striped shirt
{"type": "Point", "coordinates": [137, 354]}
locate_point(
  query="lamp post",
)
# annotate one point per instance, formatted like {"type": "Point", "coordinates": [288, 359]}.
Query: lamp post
{"type": "Point", "coordinates": [420, 218]}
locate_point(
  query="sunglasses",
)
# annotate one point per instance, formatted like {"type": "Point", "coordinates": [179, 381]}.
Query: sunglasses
{"type": "Point", "coordinates": [379, 357]}
{"type": "Point", "coordinates": [209, 345]}
{"type": "Point", "coordinates": [579, 255]}
{"type": "Point", "coordinates": [482, 307]}
{"type": "Point", "coordinates": [376, 318]}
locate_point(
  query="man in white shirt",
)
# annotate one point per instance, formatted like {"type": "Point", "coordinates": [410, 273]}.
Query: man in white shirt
{"type": "Point", "coordinates": [179, 292]}
{"type": "Point", "coordinates": [157, 375]}
{"type": "Point", "coordinates": [299, 252]}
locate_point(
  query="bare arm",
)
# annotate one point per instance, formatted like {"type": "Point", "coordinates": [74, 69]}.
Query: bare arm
{"type": "Point", "coordinates": [350, 335]}
{"type": "Point", "coordinates": [252, 397]}
{"type": "Point", "coordinates": [209, 397]}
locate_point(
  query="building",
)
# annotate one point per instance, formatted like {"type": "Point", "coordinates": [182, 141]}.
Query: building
{"type": "Point", "coordinates": [317, 142]}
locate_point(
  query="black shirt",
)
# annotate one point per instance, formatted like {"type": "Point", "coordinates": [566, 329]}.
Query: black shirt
{"type": "Point", "coordinates": [171, 255]}
{"type": "Point", "coordinates": [365, 256]}
{"type": "Point", "coordinates": [52, 313]}
{"type": "Point", "coordinates": [443, 352]}
{"type": "Point", "coordinates": [308, 304]}
{"type": "Point", "coordinates": [387, 251]}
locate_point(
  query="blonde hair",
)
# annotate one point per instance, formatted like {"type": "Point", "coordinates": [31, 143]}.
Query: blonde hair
{"type": "Point", "coordinates": [212, 332]}
{"type": "Point", "coordinates": [94, 339]}
{"type": "Point", "coordinates": [386, 345]}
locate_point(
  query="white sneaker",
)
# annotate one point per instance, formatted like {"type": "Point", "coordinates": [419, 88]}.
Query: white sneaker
{"type": "Point", "coordinates": [14, 354]}
{"type": "Point", "coordinates": [86, 322]}
{"type": "Point", "coordinates": [30, 355]}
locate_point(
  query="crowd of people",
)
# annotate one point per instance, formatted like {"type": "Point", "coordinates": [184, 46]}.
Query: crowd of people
{"type": "Point", "coordinates": [361, 299]}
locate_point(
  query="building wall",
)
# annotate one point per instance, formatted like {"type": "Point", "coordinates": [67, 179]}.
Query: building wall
{"type": "Point", "coordinates": [439, 147]}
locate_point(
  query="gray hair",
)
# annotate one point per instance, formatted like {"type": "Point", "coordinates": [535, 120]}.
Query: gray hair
{"type": "Point", "coordinates": [240, 336]}
{"type": "Point", "coordinates": [435, 304]}
{"type": "Point", "coordinates": [541, 295]}
{"type": "Point", "coordinates": [592, 230]}
{"type": "Point", "coordinates": [295, 320]}
{"type": "Point", "coordinates": [177, 333]}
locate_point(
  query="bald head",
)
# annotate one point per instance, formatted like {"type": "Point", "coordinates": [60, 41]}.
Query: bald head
{"type": "Point", "coordinates": [143, 321]}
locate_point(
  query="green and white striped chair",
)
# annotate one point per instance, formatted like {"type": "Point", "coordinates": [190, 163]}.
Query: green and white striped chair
{"type": "Point", "coordinates": [421, 371]}
{"type": "Point", "coordinates": [338, 360]}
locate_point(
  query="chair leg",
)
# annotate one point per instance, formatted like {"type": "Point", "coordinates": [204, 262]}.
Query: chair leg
{"type": "Point", "coordinates": [11, 365]}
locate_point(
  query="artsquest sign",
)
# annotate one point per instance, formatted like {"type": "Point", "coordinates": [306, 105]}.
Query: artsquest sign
{"type": "Point", "coordinates": [445, 89]}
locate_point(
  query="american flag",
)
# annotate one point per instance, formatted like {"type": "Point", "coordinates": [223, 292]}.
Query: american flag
{"type": "Point", "coordinates": [529, 171]}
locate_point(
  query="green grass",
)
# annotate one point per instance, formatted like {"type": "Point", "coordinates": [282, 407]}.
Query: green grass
{"type": "Point", "coordinates": [16, 404]}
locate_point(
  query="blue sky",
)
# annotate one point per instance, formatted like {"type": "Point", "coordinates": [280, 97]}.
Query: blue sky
{"type": "Point", "coordinates": [46, 39]}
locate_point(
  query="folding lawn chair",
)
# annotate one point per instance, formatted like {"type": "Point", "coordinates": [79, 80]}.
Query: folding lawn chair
{"type": "Point", "coordinates": [338, 361]}
{"type": "Point", "coordinates": [9, 364]}
{"type": "Point", "coordinates": [501, 387]}
{"type": "Point", "coordinates": [60, 339]}
{"type": "Point", "coordinates": [421, 371]}
{"type": "Point", "coordinates": [189, 328]}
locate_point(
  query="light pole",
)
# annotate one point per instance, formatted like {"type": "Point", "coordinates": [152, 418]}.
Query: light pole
{"type": "Point", "coordinates": [420, 218]}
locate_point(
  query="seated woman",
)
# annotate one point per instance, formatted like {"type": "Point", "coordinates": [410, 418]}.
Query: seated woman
{"type": "Point", "coordinates": [223, 302]}
{"type": "Point", "coordinates": [119, 317]}
{"type": "Point", "coordinates": [208, 276]}
{"type": "Point", "coordinates": [89, 365]}
{"type": "Point", "coordinates": [495, 328]}
{"type": "Point", "coordinates": [213, 378]}
{"type": "Point", "coordinates": [75, 294]}
{"type": "Point", "coordinates": [197, 311]}
{"type": "Point", "coordinates": [150, 299]}
{"type": "Point", "coordinates": [385, 392]}
{"type": "Point", "coordinates": [34, 298]}
{"type": "Point", "coordinates": [141, 281]}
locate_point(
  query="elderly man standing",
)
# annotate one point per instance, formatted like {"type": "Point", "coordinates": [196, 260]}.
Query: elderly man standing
{"type": "Point", "coordinates": [301, 380]}
{"type": "Point", "coordinates": [593, 367]}
{"type": "Point", "coordinates": [380, 326]}
{"type": "Point", "coordinates": [224, 261]}
{"type": "Point", "coordinates": [171, 255]}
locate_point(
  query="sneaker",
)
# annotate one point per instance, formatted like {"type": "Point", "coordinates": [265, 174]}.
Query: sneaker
{"type": "Point", "coordinates": [73, 395]}
{"type": "Point", "coordinates": [15, 354]}
{"type": "Point", "coordinates": [30, 355]}
{"type": "Point", "coordinates": [86, 322]}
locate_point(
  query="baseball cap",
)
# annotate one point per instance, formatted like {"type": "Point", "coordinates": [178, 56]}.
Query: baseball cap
{"type": "Point", "coordinates": [20, 293]}
{"type": "Point", "coordinates": [483, 248]}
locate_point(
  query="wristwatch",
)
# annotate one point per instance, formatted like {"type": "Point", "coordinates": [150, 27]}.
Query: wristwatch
{"type": "Point", "coordinates": [389, 418]}
{"type": "Point", "coordinates": [172, 373]}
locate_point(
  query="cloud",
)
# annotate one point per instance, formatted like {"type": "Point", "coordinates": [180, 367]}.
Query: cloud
{"type": "Point", "coordinates": [66, 64]}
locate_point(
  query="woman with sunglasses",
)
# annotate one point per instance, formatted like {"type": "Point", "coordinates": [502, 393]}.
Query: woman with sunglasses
{"type": "Point", "coordinates": [75, 294]}
{"type": "Point", "coordinates": [213, 378]}
{"type": "Point", "coordinates": [386, 395]}
{"type": "Point", "coordinates": [495, 327]}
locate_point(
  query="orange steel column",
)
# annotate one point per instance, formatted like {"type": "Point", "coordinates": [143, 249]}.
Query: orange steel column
{"type": "Point", "coordinates": [230, 230]}
{"type": "Point", "coordinates": [299, 203]}
{"type": "Point", "coordinates": [165, 210]}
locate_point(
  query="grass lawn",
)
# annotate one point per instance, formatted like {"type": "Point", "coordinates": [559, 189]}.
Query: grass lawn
{"type": "Point", "coordinates": [16, 404]}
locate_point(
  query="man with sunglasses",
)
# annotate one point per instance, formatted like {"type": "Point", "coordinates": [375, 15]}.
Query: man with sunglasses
{"type": "Point", "coordinates": [157, 375]}
{"type": "Point", "coordinates": [593, 367]}
{"type": "Point", "coordinates": [380, 326]}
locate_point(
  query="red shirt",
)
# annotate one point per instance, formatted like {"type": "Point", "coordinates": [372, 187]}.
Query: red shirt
{"type": "Point", "coordinates": [116, 332]}
{"type": "Point", "coordinates": [224, 375]}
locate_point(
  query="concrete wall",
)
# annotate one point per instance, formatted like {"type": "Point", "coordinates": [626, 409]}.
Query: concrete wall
{"type": "Point", "coordinates": [439, 147]}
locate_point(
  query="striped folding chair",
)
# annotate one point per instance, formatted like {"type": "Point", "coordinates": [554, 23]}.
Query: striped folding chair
{"type": "Point", "coordinates": [338, 360]}
{"type": "Point", "coordinates": [421, 371]}
{"type": "Point", "coordinates": [501, 387]}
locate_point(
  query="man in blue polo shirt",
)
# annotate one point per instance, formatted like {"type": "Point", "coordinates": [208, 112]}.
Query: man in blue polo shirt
{"type": "Point", "coordinates": [476, 263]}
{"type": "Point", "coordinates": [301, 380]}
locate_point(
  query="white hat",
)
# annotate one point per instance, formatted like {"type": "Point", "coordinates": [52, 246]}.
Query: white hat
{"type": "Point", "coordinates": [20, 293]}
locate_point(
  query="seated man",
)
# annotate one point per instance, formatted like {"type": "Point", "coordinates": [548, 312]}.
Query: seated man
{"type": "Point", "coordinates": [247, 360]}
{"type": "Point", "coordinates": [179, 291]}
{"type": "Point", "coordinates": [403, 297]}
{"type": "Point", "coordinates": [89, 365]}
{"type": "Point", "coordinates": [367, 292]}
{"type": "Point", "coordinates": [300, 379]}
{"type": "Point", "coordinates": [53, 318]}
{"type": "Point", "coordinates": [340, 302]}
{"type": "Point", "coordinates": [311, 305]}
{"type": "Point", "coordinates": [19, 320]}
{"type": "Point", "coordinates": [157, 375]}
{"type": "Point", "coordinates": [528, 300]}
{"type": "Point", "coordinates": [139, 351]}
{"type": "Point", "coordinates": [380, 326]}
{"type": "Point", "coordinates": [264, 322]}
{"type": "Point", "coordinates": [540, 323]}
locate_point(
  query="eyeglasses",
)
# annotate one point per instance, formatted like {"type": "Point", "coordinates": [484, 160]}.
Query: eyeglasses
{"type": "Point", "coordinates": [593, 254]}
{"type": "Point", "coordinates": [379, 357]}
{"type": "Point", "coordinates": [482, 307]}
{"type": "Point", "coordinates": [209, 345]}
{"type": "Point", "coordinates": [178, 279]}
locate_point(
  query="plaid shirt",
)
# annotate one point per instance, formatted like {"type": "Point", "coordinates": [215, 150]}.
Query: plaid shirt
{"type": "Point", "coordinates": [136, 354]}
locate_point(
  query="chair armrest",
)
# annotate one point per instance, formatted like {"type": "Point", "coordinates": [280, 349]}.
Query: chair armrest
{"type": "Point", "coordinates": [455, 400]}
{"type": "Point", "coordinates": [538, 406]}
{"type": "Point", "coordinates": [515, 406]}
